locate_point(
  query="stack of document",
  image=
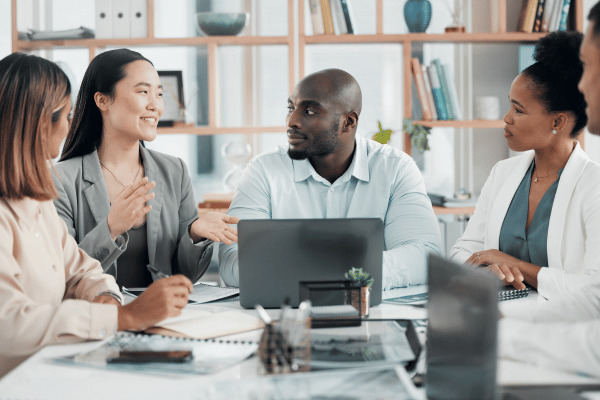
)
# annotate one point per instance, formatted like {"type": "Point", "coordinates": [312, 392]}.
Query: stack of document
{"type": "Point", "coordinates": [201, 293]}
{"type": "Point", "coordinates": [443, 201]}
{"type": "Point", "coordinates": [77, 33]}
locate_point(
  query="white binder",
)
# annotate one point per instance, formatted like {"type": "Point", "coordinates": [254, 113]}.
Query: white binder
{"type": "Point", "coordinates": [103, 19]}
{"type": "Point", "coordinates": [121, 10]}
{"type": "Point", "coordinates": [138, 16]}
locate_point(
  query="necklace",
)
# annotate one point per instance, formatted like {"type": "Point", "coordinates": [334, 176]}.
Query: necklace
{"type": "Point", "coordinates": [541, 177]}
{"type": "Point", "coordinates": [114, 176]}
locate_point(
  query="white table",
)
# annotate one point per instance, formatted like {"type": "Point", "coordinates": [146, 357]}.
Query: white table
{"type": "Point", "coordinates": [37, 378]}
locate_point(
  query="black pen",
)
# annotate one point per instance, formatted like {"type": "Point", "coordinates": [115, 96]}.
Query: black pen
{"type": "Point", "coordinates": [158, 273]}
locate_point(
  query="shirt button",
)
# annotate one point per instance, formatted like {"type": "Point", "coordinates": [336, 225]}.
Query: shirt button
{"type": "Point", "coordinates": [54, 267]}
{"type": "Point", "coordinates": [333, 189]}
{"type": "Point", "coordinates": [37, 234]}
{"type": "Point", "coordinates": [102, 333]}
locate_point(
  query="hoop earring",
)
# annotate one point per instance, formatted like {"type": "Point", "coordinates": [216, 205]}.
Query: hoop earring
{"type": "Point", "coordinates": [554, 131]}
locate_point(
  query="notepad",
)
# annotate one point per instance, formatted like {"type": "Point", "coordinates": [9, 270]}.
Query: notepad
{"type": "Point", "coordinates": [201, 293]}
{"type": "Point", "coordinates": [208, 355]}
{"type": "Point", "coordinates": [201, 324]}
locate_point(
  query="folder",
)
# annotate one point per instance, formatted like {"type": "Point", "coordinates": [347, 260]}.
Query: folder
{"type": "Point", "coordinates": [138, 14]}
{"type": "Point", "coordinates": [121, 21]}
{"type": "Point", "coordinates": [104, 19]}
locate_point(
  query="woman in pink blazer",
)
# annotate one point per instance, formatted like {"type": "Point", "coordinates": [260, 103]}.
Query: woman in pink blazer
{"type": "Point", "coordinates": [50, 290]}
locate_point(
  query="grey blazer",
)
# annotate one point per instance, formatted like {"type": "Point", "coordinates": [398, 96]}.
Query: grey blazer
{"type": "Point", "coordinates": [83, 204]}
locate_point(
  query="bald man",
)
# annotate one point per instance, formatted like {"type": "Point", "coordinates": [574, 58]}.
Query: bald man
{"type": "Point", "coordinates": [327, 171]}
{"type": "Point", "coordinates": [565, 332]}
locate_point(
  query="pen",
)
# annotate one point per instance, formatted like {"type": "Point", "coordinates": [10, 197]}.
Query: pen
{"type": "Point", "coordinates": [158, 273]}
{"type": "Point", "coordinates": [263, 314]}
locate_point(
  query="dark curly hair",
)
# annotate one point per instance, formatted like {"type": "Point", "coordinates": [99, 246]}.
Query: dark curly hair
{"type": "Point", "coordinates": [557, 72]}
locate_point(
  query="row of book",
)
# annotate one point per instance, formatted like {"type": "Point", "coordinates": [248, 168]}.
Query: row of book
{"type": "Point", "coordinates": [331, 17]}
{"type": "Point", "coordinates": [543, 16]}
{"type": "Point", "coordinates": [436, 91]}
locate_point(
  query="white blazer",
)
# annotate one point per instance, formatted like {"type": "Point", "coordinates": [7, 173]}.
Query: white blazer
{"type": "Point", "coordinates": [573, 230]}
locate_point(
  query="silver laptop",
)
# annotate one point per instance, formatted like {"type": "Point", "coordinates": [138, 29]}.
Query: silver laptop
{"type": "Point", "coordinates": [276, 254]}
{"type": "Point", "coordinates": [461, 332]}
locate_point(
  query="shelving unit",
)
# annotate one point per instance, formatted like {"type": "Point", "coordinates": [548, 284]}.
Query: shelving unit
{"type": "Point", "coordinates": [212, 43]}
{"type": "Point", "coordinates": [406, 40]}
{"type": "Point", "coordinates": [296, 41]}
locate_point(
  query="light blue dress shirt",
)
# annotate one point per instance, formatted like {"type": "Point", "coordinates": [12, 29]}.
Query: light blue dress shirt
{"type": "Point", "coordinates": [381, 182]}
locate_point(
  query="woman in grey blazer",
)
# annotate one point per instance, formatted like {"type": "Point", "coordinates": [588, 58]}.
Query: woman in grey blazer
{"type": "Point", "coordinates": [131, 208]}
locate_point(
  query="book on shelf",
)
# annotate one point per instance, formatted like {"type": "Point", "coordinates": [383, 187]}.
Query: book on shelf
{"type": "Point", "coordinates": [316, 16]}
{"type": "Point", "coordinates": [555, 18]}
{"type": "Point", "coordinates": [436, 92]}
{"type": "Point", "coordinates": [418, 78]}
{"type": "Point", "coordinates": [444, 85]}
{"type": "Point", "coordinates": [546, 18]}
{"type": "Point", "coordinates": [537, 24]}
{"type": "Point", "coordinates": [429, 93]}
{"type": "Point", "coordinates": [327, 17]}
{"type": "Point", "coordinates": [527, 16]}
{"type": "Point", "coordinates": [339, 22]}
{"type": "Point", "coordinates": [348, 16]}
{"type": "Point", "coordinates": [562, 25]}
{"type": "Point", "coordinates": [453, 93]}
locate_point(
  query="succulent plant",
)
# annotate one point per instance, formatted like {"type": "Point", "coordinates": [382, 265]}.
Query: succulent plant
{"type": "Point", "coordinates": [358, 276]}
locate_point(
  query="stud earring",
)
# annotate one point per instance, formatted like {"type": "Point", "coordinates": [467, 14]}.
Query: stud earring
{"type": "Point", "coordinates": [554, 131]}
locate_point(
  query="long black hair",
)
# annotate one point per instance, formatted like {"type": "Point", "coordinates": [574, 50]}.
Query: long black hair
{"type": "Point", "coordinates": [557, 73]}
{"type": "Point", "coordinates": [102, 75]}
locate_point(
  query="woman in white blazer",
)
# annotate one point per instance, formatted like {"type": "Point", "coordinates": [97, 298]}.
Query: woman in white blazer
{"type": "Point", "coordinates": [52, 292]}
{"type": "Point", "coordinates": [538, 216]}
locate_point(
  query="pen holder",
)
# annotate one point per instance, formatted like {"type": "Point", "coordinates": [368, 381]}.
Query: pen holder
{"type": "Point", "coordinates": [284, 347]}
{"type": "Point", "coordinates": [361, 300]}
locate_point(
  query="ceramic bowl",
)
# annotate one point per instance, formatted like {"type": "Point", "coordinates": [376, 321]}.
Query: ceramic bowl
{"type": "Point", "coordinates": [221, 24]}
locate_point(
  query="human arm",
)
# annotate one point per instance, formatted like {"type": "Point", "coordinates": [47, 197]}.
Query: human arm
{"type": "Point", "coordinates": [252, 200]}
{"type": "Point", "coordinates": [193, 256]}
{"type": "Point", "coordinates": [411, 231]}
{"type": "Point", "coordinates": [473, 238]}
{"type": "Point", "coordinates": [555, 281]}
{"type": "Point", "coordinates": [42, 300]}
{"type": "Point", "coordinates": [562, 345]}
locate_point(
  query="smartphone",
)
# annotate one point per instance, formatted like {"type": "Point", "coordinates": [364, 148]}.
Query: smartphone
{"type": "Point", "coordinates": [179, 356]}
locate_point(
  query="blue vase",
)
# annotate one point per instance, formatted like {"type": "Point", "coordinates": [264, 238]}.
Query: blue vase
{"type": "Point", "coordinates": [417, 14]}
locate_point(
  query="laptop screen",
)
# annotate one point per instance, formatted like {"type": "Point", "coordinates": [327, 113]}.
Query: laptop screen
{"type": "Point", "coordinates": [275, 255]}
{"type": "Point", "coordinates": [462, 332]}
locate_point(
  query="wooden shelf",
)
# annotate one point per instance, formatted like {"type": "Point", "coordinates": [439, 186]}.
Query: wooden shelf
{"type": "Point", "coordinates": [486, 37]}
{"type": "Point", "coordinates": [453, 210]}
{"type": "Point", "coordinates": [463, 124]}
{"type": "Point", "coordinates": [28, 45]}
{"type": "Point", "coordinates": [221, 130]}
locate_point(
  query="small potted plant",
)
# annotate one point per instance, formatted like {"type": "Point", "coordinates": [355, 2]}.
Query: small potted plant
{"type": "Point", "coordinates": [418, 135]}
{"type": "Point", "coordinates": [364, 280]}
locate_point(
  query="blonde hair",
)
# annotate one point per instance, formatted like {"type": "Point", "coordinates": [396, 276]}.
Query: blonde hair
{"type": "Point", "coordinates": [31, 90]}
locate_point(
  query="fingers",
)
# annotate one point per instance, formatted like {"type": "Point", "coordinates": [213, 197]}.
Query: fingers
{"type": "Point", "coordinates": [230, 220]}
{"type": "Point", "coordinates": [132, 188]}
{"type": "Point", "coordinates": [142, 190]}
{"type": "Point", "coordinates": [495, 269]}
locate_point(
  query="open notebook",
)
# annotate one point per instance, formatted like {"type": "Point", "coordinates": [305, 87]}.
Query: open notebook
{"type": "Point", "coordinates": [200, 324]}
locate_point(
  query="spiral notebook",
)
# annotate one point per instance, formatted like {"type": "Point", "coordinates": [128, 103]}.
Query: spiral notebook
{"type": "Point", "coordinates": [208, 355]}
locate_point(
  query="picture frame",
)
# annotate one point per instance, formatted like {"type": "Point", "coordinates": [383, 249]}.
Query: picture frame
{"type": "Point", "coordinates": [172, 82]}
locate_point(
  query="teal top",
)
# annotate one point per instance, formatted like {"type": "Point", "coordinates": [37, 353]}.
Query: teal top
{"type": "Point", "coordinates": [529, 245]}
